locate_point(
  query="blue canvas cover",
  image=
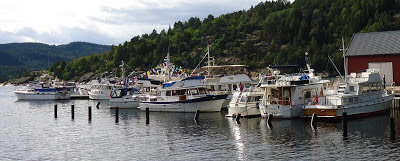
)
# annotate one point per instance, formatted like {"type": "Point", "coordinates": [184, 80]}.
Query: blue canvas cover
{"type": "Point", "coordinates": [304, 77]}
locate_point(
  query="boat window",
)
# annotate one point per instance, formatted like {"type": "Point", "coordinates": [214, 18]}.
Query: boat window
{"type": "Point", "coordinates": [212, 88]}
{"type": "Point", "coordinates": [258, 98]}
{"type": "Point", "coordinates": [194, 91]}
{"type": "Point", "coordinates": [374, 87]}
{"type": "Point", "coordinates": [202, 91]}
{"type": "Point", "coordinates": [243, 99]}
{"type": "Point", "coordinates": [307, 94]}
{"type": "Point", "coordinates": [365, 89]}
{"type": "Point", "coordinates": [178, 92]}
{"type": "Point", "coordinates": [351, 88]}
{"type": "Point", "coordinates": [168, 93]}
{"type": "Point", "coordinates": [234, 87]}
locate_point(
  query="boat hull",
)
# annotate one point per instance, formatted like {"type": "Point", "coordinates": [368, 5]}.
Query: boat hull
{"type": "Point", "coordinates": [245, 110]}
{"type": "Point", "coordinates": [204, 104]}
{"type": "Point", "coordinates": [281, 111]}
{"type": "Point", "coordinates": [124, 103]}
{"type": "Point", "coordinates": [99, 96]}
{"type": "Point", "coordinates": [352, 110]}
{"type": "Point", "coordinates": [46, 96]}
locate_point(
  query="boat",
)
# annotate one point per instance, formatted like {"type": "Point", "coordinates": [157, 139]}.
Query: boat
{"type": "Point", "coordinates": [285, 95]}
{"type": "Point", "coordinates": [223, 84]}
{"type": "Point", "coordinates": [124, 98]}
{"type": "Point", "coordinates": [245, 102]}
{"type": "Point", "coordinates": [187, 95]}
{"type": "Point", "coordinates": [101, 89]}
{"type": "Point", "coordinates": [128, 97]}
{"type": "Point", "coordinates": [362, 94]}
{"type": "Point", "coordinates": [42, 91]}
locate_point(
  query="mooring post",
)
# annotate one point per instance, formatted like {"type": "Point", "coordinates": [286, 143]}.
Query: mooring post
{"type": "Point", "coordinates": [269, 120]}
{"type": "Point", "coordinates": [196, 116]}
{"type": "Point", "coordinates": [238, 116]}
{"type": "Point", "coordinates": [392, 128]}
{"type": "Point", "coordinates": [147, 115]}
{"type": "Point", "coordinates": [98, 104]}
{"type": "Point", "coordinates": [344, 123]}
{"type": "Point", "coordinates": [55, 111]}
{"type": "Point", "coordinates": [116, 114]}
{"type": "Point", "coordinates": [314, 119]}
{"type": "Point", "coordinates": [72, 112]}
{"type": "Point", "coordinates": [90, 113]}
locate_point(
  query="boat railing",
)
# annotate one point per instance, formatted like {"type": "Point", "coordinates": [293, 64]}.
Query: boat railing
{"type": "Point", "coordinates": [345, 100]}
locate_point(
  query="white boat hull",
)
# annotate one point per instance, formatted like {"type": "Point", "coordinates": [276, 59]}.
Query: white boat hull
{"type": "Point", "coordinates": [204, 106]}
{"type": "Point", "coordinates": [46, 96]}
{"type": "Point", "coordinates": [281, 111]}
{"type": "Point", "coordinates": [245, 110]}
{"type": "Point", "coordinates": [124, 102]}
{"type": "Point", "coordinates": [359, 109]}
{"type": "Point", "coordinates": [99, 96]}
{"type": "Point", "coordinates": [42, 97]}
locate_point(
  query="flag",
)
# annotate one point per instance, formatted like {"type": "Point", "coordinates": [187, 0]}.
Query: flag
{"type": "Point", "coordinates": [316, 97]}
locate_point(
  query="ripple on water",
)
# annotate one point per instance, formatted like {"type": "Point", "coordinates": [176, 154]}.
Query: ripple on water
{"type": "Point", "coordinates": [30, 132]}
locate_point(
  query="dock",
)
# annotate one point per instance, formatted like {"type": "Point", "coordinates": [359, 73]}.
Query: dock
{"type": "Point", "coordinates": [79, 97]}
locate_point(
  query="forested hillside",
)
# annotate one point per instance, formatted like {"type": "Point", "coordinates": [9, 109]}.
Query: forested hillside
{"type": "Point", "coordinates": [266, 34]}
{"type": "Point", "coordinates": [17, 58]}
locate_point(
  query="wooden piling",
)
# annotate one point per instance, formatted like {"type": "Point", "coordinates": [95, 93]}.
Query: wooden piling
{"type": "Point", "coordinates": [55, 111]}
{"type": "Point", "coordinates": [147, 115]}
{"type": "Point", "coordinates": [196, 116]}
{"type": "Point", "coordinates": [98, 105]}
{"type": "Point", "coordinates": [90, 113]}
{"type": "Point", "coordinates": [116, 114]}
{"type": "Point", "coordinates": [344, 123]}
{"type": "Point", "coordinates": [72, 112]}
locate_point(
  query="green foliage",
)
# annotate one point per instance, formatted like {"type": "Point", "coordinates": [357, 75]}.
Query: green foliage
{"type": "Point", "coordinates": [268, 33]}
{"type": "Point", "coordinates": [17, 58]}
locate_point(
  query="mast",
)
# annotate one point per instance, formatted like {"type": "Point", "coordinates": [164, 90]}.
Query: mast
{"type": "Point", "coordinates": [168, 59]}
{"type": "Point", "coordinates": [208, 62]}
{"type": "Point", "coordinates": [122, 69]}
{"type": "Point", "coordinates": [344, 59]}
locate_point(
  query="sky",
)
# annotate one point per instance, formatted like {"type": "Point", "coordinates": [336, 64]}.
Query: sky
{"type": "Point", "coordinates": [109, 22]}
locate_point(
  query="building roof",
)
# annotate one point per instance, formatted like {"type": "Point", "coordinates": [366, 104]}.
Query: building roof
{"type": "Point", "coordinates": [374, 43]}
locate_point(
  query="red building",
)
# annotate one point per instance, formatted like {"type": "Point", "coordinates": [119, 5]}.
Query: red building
{"type": "Point", "coordinates": [378, 50]}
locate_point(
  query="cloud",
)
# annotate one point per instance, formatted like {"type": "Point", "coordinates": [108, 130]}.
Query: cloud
{"type": "Point", "coordinates": [101, 21]}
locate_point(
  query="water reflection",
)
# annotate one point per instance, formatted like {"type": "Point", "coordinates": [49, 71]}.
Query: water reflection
{"type": "Point", "coordinates": [30, 132]}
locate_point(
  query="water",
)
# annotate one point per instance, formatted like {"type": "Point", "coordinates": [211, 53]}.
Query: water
{"type": "Point", "coordinates": [29, 131]}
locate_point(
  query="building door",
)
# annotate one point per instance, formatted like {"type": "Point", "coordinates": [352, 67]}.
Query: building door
{"type": "Point", "coordinates": [385, 68]}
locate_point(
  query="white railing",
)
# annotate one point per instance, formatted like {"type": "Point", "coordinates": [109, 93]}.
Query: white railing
{"type": "Point", "coordinates": [328, 100]}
